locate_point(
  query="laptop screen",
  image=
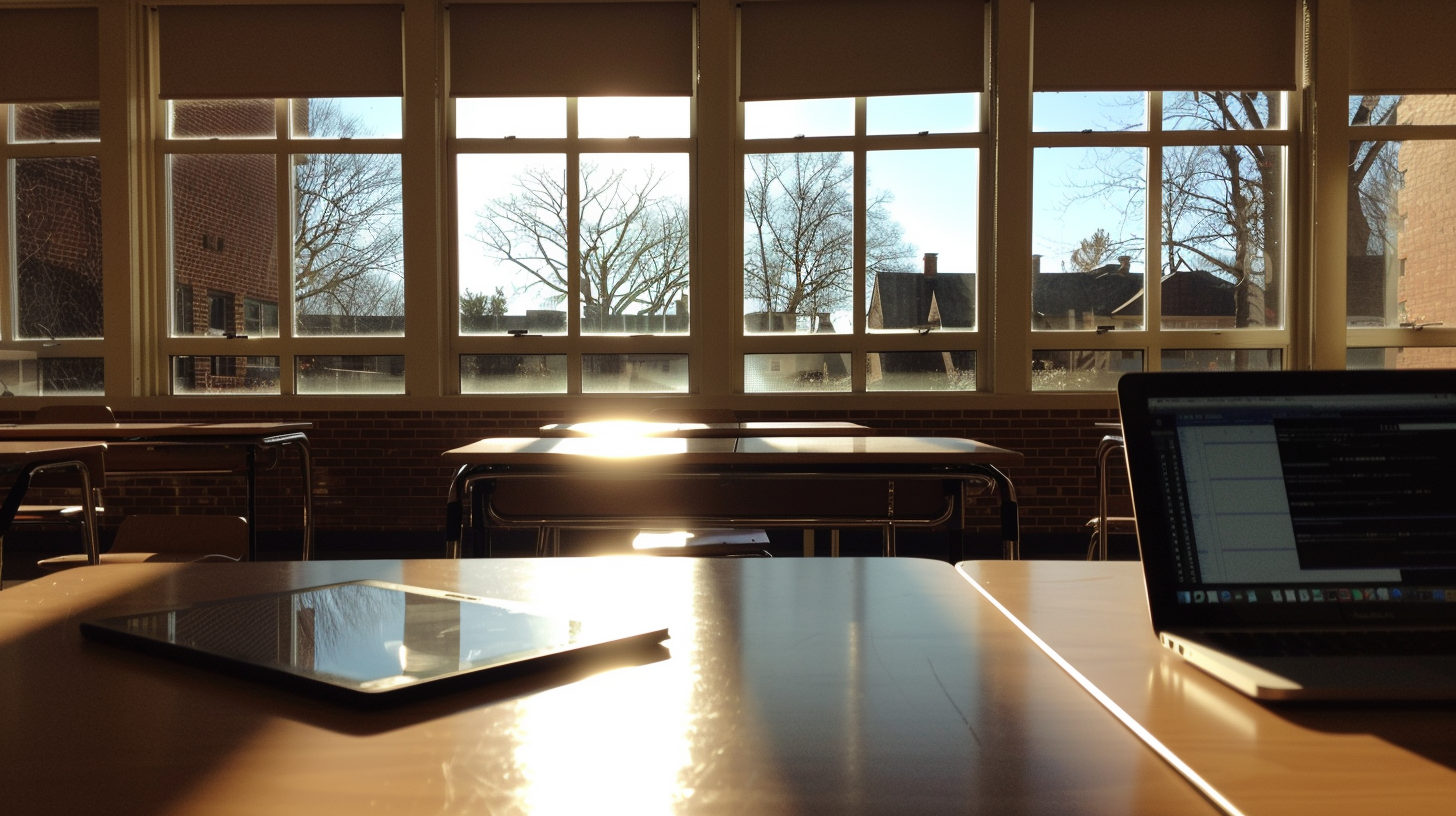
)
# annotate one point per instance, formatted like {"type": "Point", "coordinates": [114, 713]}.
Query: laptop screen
{"type": "Point", "coordinates": [1303, 498]}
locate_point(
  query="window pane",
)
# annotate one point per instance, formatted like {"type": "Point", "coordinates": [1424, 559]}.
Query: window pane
{"type": "Point", "coordinates": [224, 239]}
{"type": "Point", "coordinates": [19, 373]}
{"type": "Point", "coordinates": [1223, 110]}
{"type": "Point", "coordinates": [222, 119]}
{"type": "Point", "coordinates": [1392, 358]}
{"type": "Point", "coordinates": [798, 235]}
{"type": "Point", "coordinates": [633, 240]}
{"type": "Point", "coordinates": [59, 122]}
{"type": "Point", "coordinates": [1223, 236]}
{"type": "Point", "coordinates": [378, 117]}
{"type": "Point", "coordinates": [636, 373]}
{"type": "Point", "coordinates": [1086, 370]}
{"type": "Point", "coordinates": [923, 113]}
{"type": "Point", "coordinates": [1410, 109]}
{"type": "Point", "coordinates": [787, 118]}
{"type": "Point", "coordinates": [1080, 112]}
{"type": "Point", "coordinates": [1400, 269]}
{"type": "Point", "coordinates": [224, 375]}
{"type": "Point", "coordinates": [921, 371]}
{"type": "Point", "coordinates": [1222, 360]}
{"type": "Point", "coordinates": [349, 374]}
{"type": "Point", "coordinates": [511, 117]}
{"type": "Point", "coordinates": [792, 372]}
{"type": "Point", "coordinates": [58, 247]}
{"type": "Point", "coordinates": [348, 262]}
{"type": "Point", "coordinates": [513, 373]}
{"type": "Point", "coordinates": [73, 376]}
{"type": "Point", "coordinates": [618, 117]}
{"type": "Point", "coordinates": [1087, 237]}
{"type": "Point", "coordinates": [920, 244]}
{"type": "Point", "coordinates": [512, 243]}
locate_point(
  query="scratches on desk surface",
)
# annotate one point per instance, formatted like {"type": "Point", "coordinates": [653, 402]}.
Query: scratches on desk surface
{"type": "Point", "coordinates": [951, 700]}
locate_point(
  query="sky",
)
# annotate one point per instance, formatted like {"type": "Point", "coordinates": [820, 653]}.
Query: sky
{"type": "Point", "coordinates": [933, 191]}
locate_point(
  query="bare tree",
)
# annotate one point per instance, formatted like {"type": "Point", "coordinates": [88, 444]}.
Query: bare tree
{"type": "Point", "coordinates": [798, 256]}
{"type": "Point", "coordinates": [1373, 179]}
{"type": "Point", "coordinates": [633, 237]}
{"type": "Point", "coordinates": [348, 243]}
{"type": "Point", "coordinates": [1221, 203]}
{"type": "Point", "coordinates": [1092, 252]}
{"type": "Point", "coordinates": [58, 247]}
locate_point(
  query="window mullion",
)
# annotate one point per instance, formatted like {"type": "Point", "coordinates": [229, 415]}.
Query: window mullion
{"type": "Point", "coordinates": [1153, 263]}
{"type": "Point", "coordinates": [287, 324]}
{"type": "Point", "coordinates": [574, 367]}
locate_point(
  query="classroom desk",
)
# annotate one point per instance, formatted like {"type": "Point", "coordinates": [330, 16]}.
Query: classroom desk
{"type": "Point", "coordinates": [706, 429]}
{"type": "Point", "coordinates": [789, 686]}
{"type": "Point", "coordinates": [884, 482]}
{"type": "Point", "coordinates": [26, 457]}
{"type": "Point", "coordinates": [1282, 761]}
{"type": "Point", "coordinates": [157, 448]}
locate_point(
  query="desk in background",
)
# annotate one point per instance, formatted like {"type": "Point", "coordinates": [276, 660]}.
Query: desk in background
{"type": "Point", "coordinates": [706, 429]}
{"type": "Point", "coordinates": [1281, 761]}
{"type": "Point", "coordinates": [789, 686]}
{"type": "Point", "coordinates": [159, 448]}
{"type": "Point", "coordinates": [883, 482]}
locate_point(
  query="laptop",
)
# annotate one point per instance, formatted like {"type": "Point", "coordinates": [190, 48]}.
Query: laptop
{"type": "Point", "coordinates": [1298, 529]}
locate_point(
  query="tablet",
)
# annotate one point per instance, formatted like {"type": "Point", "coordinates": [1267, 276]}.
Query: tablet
{"type": "Point", "coordinates": [369, 642]}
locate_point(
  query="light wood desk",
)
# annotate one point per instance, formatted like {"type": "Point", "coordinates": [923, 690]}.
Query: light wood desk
{"type": "Point", "coordinates": [789, 686]}
{"type": "Point", "coordinates": [152, 448]}
{"type": "Point", "coordinates": [718, 429]}
{"type": "Point", "coordinates": [883, 482]}
{"type": "Point", "coordinates": [1280, 761]}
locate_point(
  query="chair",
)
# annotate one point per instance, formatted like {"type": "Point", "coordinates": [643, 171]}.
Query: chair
{"type": "Point", "coordinates": [169, 539]}
{"type": "Point", "coordinates": [1104, 524]}
{"type": "Point", "coordinates": [68, 515]}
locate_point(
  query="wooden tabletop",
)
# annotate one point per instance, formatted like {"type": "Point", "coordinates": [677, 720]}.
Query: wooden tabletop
{"type": "Point", "coordinates": [150, 430]}
{"type": "Point", "coordinates": [863, 686]}
{"type": "Point", "coordinates": [721, 429]}
{"type": "Point", "coordinates": [1266, 759]}
{"type": "Point", "coordinates": [29, 450]}
{"type": "Point", "coordinates": [658, 450]}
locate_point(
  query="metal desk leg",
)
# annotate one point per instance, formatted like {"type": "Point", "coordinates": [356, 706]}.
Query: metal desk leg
{"type": "Point", "coordinates": [1105, 449]}
{"type": "Point", "coordinates": [305, 464]}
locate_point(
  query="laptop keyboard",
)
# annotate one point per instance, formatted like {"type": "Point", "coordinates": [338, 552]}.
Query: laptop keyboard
{"type": "Point", "coordinates": [1291, 643]}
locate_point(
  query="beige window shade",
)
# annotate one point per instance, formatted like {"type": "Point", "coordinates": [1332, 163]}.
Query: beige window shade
{"type": "Point", "coordinates": [50, 55]}
{"type": "Point", "coordinates": [1166, 45]}
{"type": "Point", "coordinates": [1402, 46]}
{"type": "Point", "coordinates": [272, 51]}
{"type": "Point", "coordinates": [571, 49]}
{"type": "Point", "coordinates": [806, 49]}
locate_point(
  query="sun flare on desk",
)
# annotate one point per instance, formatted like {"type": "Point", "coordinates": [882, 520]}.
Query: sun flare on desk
{"type": "Point", "coordinates": [631, 428]}
{"type": "Point", "coordinates": [622, 447]}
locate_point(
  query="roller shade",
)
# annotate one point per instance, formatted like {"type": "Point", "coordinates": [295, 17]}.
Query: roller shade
{"type": "Point", "coordinates": [1166, 45]}
{"type": "Point", "coordinates": [50, 55]}
{"type": "Point", "coordinates": [571, 49]}
{"type": "Point", "coordinates": [273, 51]}
{"type": "Point", "coordinates": [1402, 46]}
{"type": "Point", "coordinates": [805, 49]}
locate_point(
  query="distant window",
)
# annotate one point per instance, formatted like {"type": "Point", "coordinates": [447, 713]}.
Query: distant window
{"type": "Point", "coordinates": [219, 312]}
{"type": "Point", "coordinates": [260, 318]}
{"type": "Point", "coordinates": [182, 310]}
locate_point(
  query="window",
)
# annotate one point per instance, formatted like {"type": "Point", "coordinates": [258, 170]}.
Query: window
{"type": "Point", "coordinates": [1159, 214]}
{"type": "Point", "coordinates": [861, 206]}
{"type": "Point", "coordinates": [236, 156]}
{"type": "Point", "coordinates": [572, 204]}
{"type": "Point", "coordinates": [51, 238]}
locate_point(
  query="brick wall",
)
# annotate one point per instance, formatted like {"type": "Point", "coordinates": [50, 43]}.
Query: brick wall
{"type": "Point", "coordinates": [381, 470]}
{"type": "Point", "coordinates": [1426, 248]}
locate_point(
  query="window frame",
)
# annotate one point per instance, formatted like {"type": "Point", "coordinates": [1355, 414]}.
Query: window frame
{"type": "Point", "coordinates": [288, 344]}
{"type": "Point", "coordinates": [574, 344]}
{"type": "Point", "coordinates": [1153, 338]}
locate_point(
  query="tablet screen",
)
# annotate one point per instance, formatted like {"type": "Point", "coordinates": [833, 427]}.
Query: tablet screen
{"type": "Point", "coordinates": [365, 637]}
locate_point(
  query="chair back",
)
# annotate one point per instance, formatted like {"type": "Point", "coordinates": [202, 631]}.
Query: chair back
{"type": "Point", "coordinates": [62, 414]}
{"type": "Point", "coordinates": [192, 535]}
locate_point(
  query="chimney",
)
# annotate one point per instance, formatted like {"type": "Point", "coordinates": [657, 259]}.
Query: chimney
{"type": "Point", "coordinates": [1124, 264]}
{"type": "Point", "coordinates": [930, 264]}
{"type": "Point", "coordinates": [1035, 264]}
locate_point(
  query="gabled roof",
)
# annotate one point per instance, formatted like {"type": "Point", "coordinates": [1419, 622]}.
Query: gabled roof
{"type": "Point", "coordinates": [905, 298]}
